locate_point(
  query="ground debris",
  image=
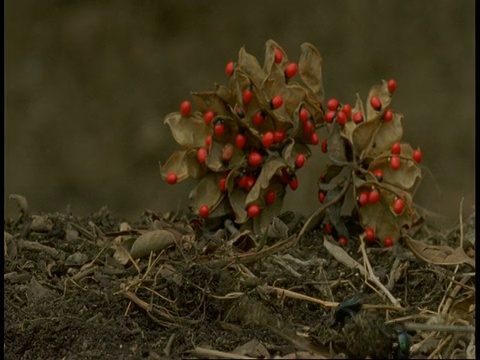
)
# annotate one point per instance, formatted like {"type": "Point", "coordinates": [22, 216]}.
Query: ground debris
{"type": "Point", "coordinates": [221, 294]}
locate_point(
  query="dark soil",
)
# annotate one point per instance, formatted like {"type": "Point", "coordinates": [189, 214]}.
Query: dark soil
{"type": "Point", "coordinates": [68, 297]}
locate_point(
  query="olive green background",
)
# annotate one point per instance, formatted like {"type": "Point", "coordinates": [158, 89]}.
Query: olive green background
{"type": "Point", "coordinates": [89, 82]}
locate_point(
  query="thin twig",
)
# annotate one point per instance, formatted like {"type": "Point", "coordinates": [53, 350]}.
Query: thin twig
{"type": "Point", "coordinates": [437, 327]}
{"type": "Point", "coordinates": [328, 304]}
{"type": "Point", "coordinates": [373, 278]}
{"type": "Point", "coordinates": [439, 348]}
{"type": "Point", "coordinates": [209, 353]}
{"type": "Point", "coordinates": [253, 257]}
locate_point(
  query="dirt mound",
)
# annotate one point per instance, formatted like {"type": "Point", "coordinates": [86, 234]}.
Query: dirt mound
{"type": "Point", "coordinates": [74, 291]}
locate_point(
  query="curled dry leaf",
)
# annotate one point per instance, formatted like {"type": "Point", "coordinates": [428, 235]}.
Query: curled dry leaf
{"type": "Point", "coordinates": [41, 223]}
{"type": "Point", "coordinates": [21, 202]}
{"type": "Point", "coordinates": [207, 192]}
{"type": "Point", "coordinates": [438, 254]}
{"type": "Point", "coordinates": [188, 132]}
{"type": "Point", "coordinates": [310, 67]}
{"type": "Point", "coordinates": [271, 168]}
{"type": "Point", "coordinates": [175, 164]}
{"type": "Point", "coordinates": [338, 147]}
{"type": "Point", "coordinates": [406, 177]}
{"type": "Point", "coordinates": [381, 91]}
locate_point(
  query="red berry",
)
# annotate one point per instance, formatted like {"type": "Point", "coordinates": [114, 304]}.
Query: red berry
{"type": "Point", "coordinates": [276, 102]}
{"type": "Point", "coordinates": [303, 114]}
{"type": "Point", "coordinates": [324, 146]}
{"type": "Point", "coordinates": [270, 196]}
{"type": "Point", "coordinates": [376, 103]}
{"type": "Point", "coordinates": [378, 174]}
{"type": "Point", "coordinates": [201, 155]}
{"type": "Point", "coordinates": [321, 196]}
{"type": "Point", "coordinates": [342, 240]}
{"type": "Point", "coordinates": [278, 56]}
{"type": "Point", "coordinates": [290, 70]}
{"type": "Point", "coordinates": [227, 152]}
{"type": "Point", "coordinates": [341, 118]}
{"type": "Point", "coordinates": [398, 206]}
{"type": "Point", "coordinates": [314, 139]}
{"type": "Point", "coordinates": [259, 117]}
{"type": "Point", "coordinates": [250, 183]}
{"type": "Point", "coordinates": [222, 183]}
{"type": "Point", "coordinates": [395, 162]}
{"type": "Point", "coordinates": [388, 115]}
{"type": "Point", "coordinates": [396, 148]}
{"type": "Point", "coordinates": [363, 198]}
{"type": "Point", "coordinates": [417, 156]}
{"type": "Point", "coordinates": [285, 177]}
{"type": "Point", "coordinates": [172, 178]}
{"type": "Point", "coordinates": [203, 211]}
{"type": "Point", "coordinates": [247, 95]}
{"type": "Point", "coordinates": [388, 242]}
{"type": "Point", "coordinates": [242, 180]}
{"type": "Point", "coordinates": [392, 86]}
{"type": "Point", "coordinates": [332, 104]}
{"type": "Point", "coordinates": [219, 129]}
{"type": "Point", "coordinates": [300, 160]}
{"type": "Point", "coordinates": [357, 118]}
{"type": "Point", "coordinates": [208, 141]}
{"type": "Point", "coordinates": [369, 234]}
{"type": "Point", "coordinates": [255, 159]}
{"type": "Point", "coordinates": [240, 141]}
{"type": "Point", "coordinates": [374, 196]}
{"type": "Point", "coordinates": [330, 116]}
{"type": "Point", "coordinates": [328, 228]}
{"type": "Point", "coordinates": [308, 127]}
{"type": "Point", "coordinates": [267, 139]}
{"type": "Point", "coordinates": [347, 109]}
{"type": "Point", "coordinates": [185, 108]}
{"type": "Point", "coordinates": [293, 182]}
{"type": "Point", "coordinates": [208, 117]}
{"type": "Point", "coordinates": [279, 136]}
{"type": "Point", "coordinates": [253, 211]}
{"type": "Point", "coordinates": [229, 68]}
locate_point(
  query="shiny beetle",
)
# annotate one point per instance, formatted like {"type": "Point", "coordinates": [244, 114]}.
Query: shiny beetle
{"type": "Point", "coordinates": [348, 308]}
{"type": "Point", "coordinates": [402, 348]}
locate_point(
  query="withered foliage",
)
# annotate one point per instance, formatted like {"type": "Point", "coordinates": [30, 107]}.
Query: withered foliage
{"type": "Point", "coordinates": [245, 142]}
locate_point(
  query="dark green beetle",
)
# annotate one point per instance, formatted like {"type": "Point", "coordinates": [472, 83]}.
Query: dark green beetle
{"type": "Point", "coordinates": [348, 308]}
{"type": "Point", "coordinates": [402, 348]}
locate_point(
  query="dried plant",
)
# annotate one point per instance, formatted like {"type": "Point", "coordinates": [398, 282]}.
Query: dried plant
{"type": "Point", "coordinates": [245, 142]}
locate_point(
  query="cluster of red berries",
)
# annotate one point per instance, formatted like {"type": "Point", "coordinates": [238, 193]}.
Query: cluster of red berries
{"type": "Point", "coordinates": [387, 171]}
{"type": "Point", "coordinates": [247, 140]}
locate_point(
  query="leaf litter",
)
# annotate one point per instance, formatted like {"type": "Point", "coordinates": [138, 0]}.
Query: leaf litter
{"type": "Point", "coordinates": [185, 291]}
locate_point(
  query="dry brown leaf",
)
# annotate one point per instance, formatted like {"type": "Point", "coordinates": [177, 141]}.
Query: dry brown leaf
{"type": "Point", "coordinates": [207, 192]}
{"type": "Point", "coordinates": [387, 134]}
{"type": "Point", "coordinates": [250, 65]}
{"type": "Point", "coordinates": [438, 254]}
{"type": "Point", "coordinates": [310, 69]}
{"type": "Point", "coordinates": [271, 167]}
{"type": "Point", "coordinates": [21, 202]}
{"type": "Point", "coordinates": [175, 164]}
{"type": "Point", "coordinates": [188, 132]}
{"type": "Point", "coordinates": [385, 97]}
{"type": "Point", "coordinates": [337, 145]}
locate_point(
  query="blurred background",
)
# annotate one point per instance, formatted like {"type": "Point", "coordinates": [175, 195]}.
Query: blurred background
{"type": "Point", "coordinates": [88, 83]}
